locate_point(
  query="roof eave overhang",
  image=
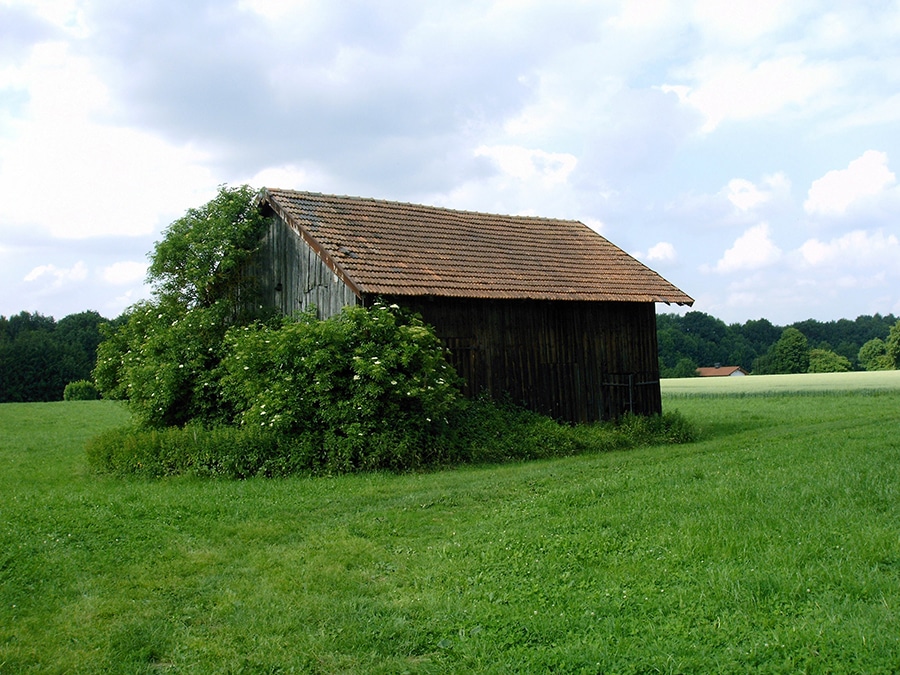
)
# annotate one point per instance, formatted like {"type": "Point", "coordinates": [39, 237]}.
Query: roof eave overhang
{"type": "Point", "coordinates": [409, 292]}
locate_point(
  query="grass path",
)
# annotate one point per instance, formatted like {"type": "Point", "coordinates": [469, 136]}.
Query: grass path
{"type": "Point", "coordinates": [771, 545]}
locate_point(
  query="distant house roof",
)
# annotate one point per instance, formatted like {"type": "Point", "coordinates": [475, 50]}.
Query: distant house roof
{"type": "Point", "coordinates": [392, 248]}
{"type": "Point", "coordinates": [721, 371]}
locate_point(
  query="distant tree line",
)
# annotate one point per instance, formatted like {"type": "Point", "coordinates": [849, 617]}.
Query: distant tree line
{"type": "Point", "coordinates": [695, 339]}
{"type": "Point", "coordinates": [39, 356]}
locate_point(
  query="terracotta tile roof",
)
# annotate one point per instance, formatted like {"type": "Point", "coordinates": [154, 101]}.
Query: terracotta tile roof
{"type": "Point", "coordinates": [392, 248]}
{"type": "Point", "coordinates": [721, 371]}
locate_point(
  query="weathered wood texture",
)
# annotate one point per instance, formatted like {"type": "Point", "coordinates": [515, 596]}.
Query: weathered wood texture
{"type": "Point", "coordinates": [293, 278]}
{"type": "Point", "coordinates": [574, 361]}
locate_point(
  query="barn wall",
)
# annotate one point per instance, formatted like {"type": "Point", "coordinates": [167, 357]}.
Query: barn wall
{"type": "Point", "coordinates": [293, 278]}
{"type": "Point", "coordinates": [575, 361]}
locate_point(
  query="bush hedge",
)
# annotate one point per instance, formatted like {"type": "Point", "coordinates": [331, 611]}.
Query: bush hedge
{"type": "Point", "coordinates": [482, 432]}
{"type": "Point", "coordinates": [81, 390]}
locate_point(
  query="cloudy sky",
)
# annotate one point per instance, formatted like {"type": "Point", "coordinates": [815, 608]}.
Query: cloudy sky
{"type": "Point", "coordinates": [746, 150]}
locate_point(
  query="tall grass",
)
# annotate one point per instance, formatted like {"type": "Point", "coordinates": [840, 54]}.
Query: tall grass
{"type": "Point", "coordinates": [770, 545]}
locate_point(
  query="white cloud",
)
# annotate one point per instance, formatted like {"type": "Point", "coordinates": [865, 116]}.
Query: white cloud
{"type": "Point", "coordinates": [661, 252]}
{"type": "Point", "coordinates": [752, 250]}
{"type": "Point", "coordinates": [78, 177]}
{"type": "Point", "coordinates": [740, 21]}
{"type": "Point", "coordinates": [67, 15]}
{"type": "Point", "coordinates": [58, 276]}
{"type": "Point", "coordinates": [734, 89]}
{"type": "Point", "coordinates": [120, 303]}
{"type": "Point", "coordinates": [548, 168]}
{"type": "Point", "coordinates": [879, 111]}
{"type": "Point", "coordinates": [835, 192]}
{"type": "Point", "coordinates": [522, 181]}
{"type": "Point", "coordinates": [273, 10]}
{"type": "Point", "coordinates": [595, 224]}
{"type": "Point", "coordinates": [746, 195]}
{"type": "Point", "coordinates": [125, 272]}
{"type": "Point", "coordinates": [115, 118]}
{"type": "Point", "coordinates": [642, 15]}
{"type": "Point", "coordinates": [292, 177]}
{"type": "Point", "coordinates": [856, 248]}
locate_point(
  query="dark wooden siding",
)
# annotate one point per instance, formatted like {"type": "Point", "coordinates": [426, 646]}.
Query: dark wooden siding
{"type": "Point", "coordinates": [575, 361]}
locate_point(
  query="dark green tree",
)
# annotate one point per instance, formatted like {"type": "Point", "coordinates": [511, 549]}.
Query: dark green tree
{"type": "Point", "coordinates": [699, 337]}
{"type": "Point", "coordinates": [25, 322]}
{"type": "Point", "coordinates": [826, 361]}
{"type": "Point", "coordinates": [36, 367]}
{"type": "Point", "coordinates": [892, 346]}
{"type": "Point", "coordinates": [873, 355]}
{"type": "Point", "coordinates": [39, 356]}
{"type": "Point", "coordinates": [791, 352]}
{"type": "Point", "coordinates": [81, 333]}
{"type": "Point", "coordinates": [761, 334]}
{"type": "Point", "coordinates": [684, 368]}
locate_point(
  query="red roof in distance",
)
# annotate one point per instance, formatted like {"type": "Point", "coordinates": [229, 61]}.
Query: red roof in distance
{"type": "Point", "coordinates": [721, 371]}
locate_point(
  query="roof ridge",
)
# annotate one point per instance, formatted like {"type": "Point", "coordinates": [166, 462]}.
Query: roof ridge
{"type": "Point", "coordinates": [393, 202]}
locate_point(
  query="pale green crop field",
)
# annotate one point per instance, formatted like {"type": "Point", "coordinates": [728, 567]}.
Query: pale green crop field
{"type": "Point", "coordinates": [881, 380]}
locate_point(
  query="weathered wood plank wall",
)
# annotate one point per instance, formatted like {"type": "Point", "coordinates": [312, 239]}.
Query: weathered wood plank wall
{"type": "Point", "coordinates": [575, 361]}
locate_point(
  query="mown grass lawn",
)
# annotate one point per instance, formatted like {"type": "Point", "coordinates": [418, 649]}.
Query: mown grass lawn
{"type": "Point", "coordinates": [770, 545]}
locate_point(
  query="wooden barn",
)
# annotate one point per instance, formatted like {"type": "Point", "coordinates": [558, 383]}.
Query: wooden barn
{"type": "Point", "coordinates": [544, 311]}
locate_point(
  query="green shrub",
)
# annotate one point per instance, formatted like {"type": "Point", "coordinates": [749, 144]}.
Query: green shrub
{"type": "Point", "coordinates": [488, 432]}
{"type": "Point", "coordinates": [372, 384]}
{"type": "Point", "coordinates": [670, 427]}
{"type": "Point", "coordinates": [827, 361]}
{"type": "Point", "coordinates": [482, 432]}
{"type": "Point", "coordinates": [162, 357]}
{"type": "Point", "coordinates": [163, 362]}
{"type": "Point", "coordinates": [81, 390]}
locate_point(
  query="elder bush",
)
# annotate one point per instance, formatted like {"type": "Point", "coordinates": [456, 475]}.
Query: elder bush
{"type": "Point", "coordinates": [371, 386]}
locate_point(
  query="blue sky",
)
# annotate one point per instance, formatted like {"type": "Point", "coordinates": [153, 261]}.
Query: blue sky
{"type": "Point", "coordinates": [747, 151]}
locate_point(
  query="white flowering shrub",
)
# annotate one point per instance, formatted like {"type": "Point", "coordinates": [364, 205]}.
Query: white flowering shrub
{"type": "Point", "coordinates": [371, 386]}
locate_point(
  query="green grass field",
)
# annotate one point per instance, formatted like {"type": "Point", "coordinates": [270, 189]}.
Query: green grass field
{"type": "Point", "coordinates": [770, 545]}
